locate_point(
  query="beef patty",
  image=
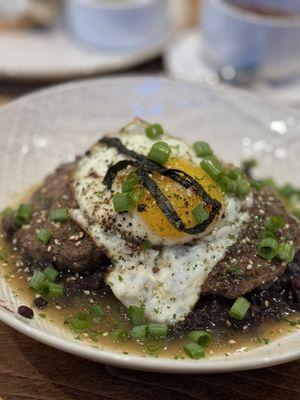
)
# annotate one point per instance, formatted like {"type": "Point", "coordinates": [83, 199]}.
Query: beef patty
{"type": "Point", "coordinates": [240, 272]}
{"type": "Point", "coordinates": [69, 248]}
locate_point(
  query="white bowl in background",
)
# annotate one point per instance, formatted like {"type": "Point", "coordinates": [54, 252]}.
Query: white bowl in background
{"type": "Point", "coordinates": [117, 24]}
{"type": "Point", "coordinates": [257, 44]}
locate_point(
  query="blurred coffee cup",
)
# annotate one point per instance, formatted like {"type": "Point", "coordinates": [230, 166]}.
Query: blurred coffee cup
{"type": "Point", "coordinates": [117, 24]}
{"type": "Point", "coordinates": [249, 38]}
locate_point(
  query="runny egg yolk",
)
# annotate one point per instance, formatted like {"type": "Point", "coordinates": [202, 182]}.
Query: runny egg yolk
{"type": "Point", "coordinates": [182, 199]}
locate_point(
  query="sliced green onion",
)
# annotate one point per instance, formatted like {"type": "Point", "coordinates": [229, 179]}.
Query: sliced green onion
{"type": "Point", "coordinates": [256, 184]}
{"type": "Point", "coordinates": [153, 346]}
{"type": "Point", "coordinates": [200, 214]}
{"type": "Point", "coordinates": [6, 212]}
{"type": "Point", "coordinates": [119, 334]}
{"type": "Point", "coordinates": [194, 351]}
{"type": "Point", "coordinates": [139, 332]}
{"type": "Point", "coordinates": [202, 149]}
{"type": "Point", "coordinates": [267, 248]}
{"type": "Point", "coordinates": [288, 191]}
{"type": "Point", "coordinates": [286, 252]}
{"type": "Point", "coordinates": [97, 310]}
{"type": "Point", "coordinates": [158, 330]}
{"type": "Point", "coordinates": [243, 187]}
{"type": "Point", "coordinates": [81, 321]}
{"type": "Point", "coordinates": [44, 235]}
{"type": "Point", "coordinates": [239, 308]}
{"type": "Point", "coordinates": [37, 280]}
{"type": "Point", "coordinates": [130, 182]}
{"type": "Point", "coordinates": [59, 215]}
{"type": "Point", "coordinates": [212, 167]}
{"type": "Point", "coordinates": [51, 273]}
{"type": "Point", "coordinates": [202, 338]}
{"type": "Point", "coordinates": [248, 164]}
{"type": "Point", "coordinates": [159, 152]}
{"type": "Point", "coordinates": [135, 196]}
{"type": "Point", "coordinates": [274, 223]}
{"type": "Point", "coordinates": [228, 185]}
{"type": "Point", "coordinates": [267, 234]}
{"type": "Point", "coordinates": [55, 290]}
{"type": "Point", "coordinates": [235, 174]}
{"type": "Point", "coordinates": [154, 131]}
{"type": "Point", "coordinates": [24, 214]}
{"type": "Point", "coordinates": [2, 257]}
{"type": "Point", "coordinates": [137, 315]}
{"type": "Point", "coordinates": [146, 245]}
{"type": "Point", "coordinates": [122, 202]}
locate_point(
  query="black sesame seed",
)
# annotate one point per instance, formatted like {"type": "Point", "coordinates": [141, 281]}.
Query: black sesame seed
{"type": "Point", "coordinates": [26, 312]}
{"type": "Point", "coordinates": [40, 302]}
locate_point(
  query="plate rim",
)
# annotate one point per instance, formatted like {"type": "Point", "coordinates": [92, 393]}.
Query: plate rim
{"type": "Point", "coordinates": [136, 362]}
{"type": "Point", "coordinates": [69, 85]}
{"type": "Point", "coordinates": [160, 364]}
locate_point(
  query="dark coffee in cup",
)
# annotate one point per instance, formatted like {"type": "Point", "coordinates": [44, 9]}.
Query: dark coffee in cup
{"type": "Point", "coordinates": [273, 9]}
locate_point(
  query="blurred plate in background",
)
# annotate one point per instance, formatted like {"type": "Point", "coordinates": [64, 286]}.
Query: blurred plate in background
{"type": "Point", "coordinates": [52, 55]}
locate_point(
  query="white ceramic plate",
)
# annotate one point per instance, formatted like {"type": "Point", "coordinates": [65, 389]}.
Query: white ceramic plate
{"type": "Point", "coordinates": [42, 130]}
{"type": "Point", "coordinates": [54, 55]}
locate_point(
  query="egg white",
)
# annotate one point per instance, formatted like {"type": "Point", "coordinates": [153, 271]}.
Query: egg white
{"type": "Point", "coordinates": [171, 289]}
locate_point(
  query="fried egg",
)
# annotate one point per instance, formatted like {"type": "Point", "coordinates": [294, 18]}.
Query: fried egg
{"type": "Point", "coordinates": [166, 278]}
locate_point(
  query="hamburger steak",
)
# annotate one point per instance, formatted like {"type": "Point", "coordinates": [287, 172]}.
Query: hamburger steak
{"type": "Point", "coordinates": [271, 286]}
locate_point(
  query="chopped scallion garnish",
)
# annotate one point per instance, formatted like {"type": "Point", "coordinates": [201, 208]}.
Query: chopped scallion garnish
{"type": "Point", "coordinates": [228, 185]}
{"type": "Point", "coordinates": [249, 164]}
{"type": "Point", "coordinates": [200, 214]}
{"type": "Point", "coordinates": [44, 235]}
{"type": "Point", "coordinates": [239, 308]}
{"type": "Point", "coordinates": [274, 223]}
{"type": "Point", "coordinates": [122, 202]}
{"type": "Point", "coordinates": [158, 330]}
{"type": "Point", "coordinates": [130, 182]}
{"type": "Point", "coordinates": [235, 174]}
{"type": "Point", "coordinates": [59, 215]}
{"type": "Point", "coordinates": [154, 131]}
{"type": "Point", "coordinates": [7, 211]}
{"type": "Point", "coordinates": [212, 167]}
{"type": "Point", "coordinates": [37, 280]}
{"type": "Point", "coordinates": [135, 196]}
{"type": "Point", "coordinates": [139, 332]}
{"type": "Point", "coordinates": [146, 245]}
{"type": "Point", "coordinates": [267, 248]}
{"type": "Point", "coordinates": [51, 273]}
{"type": "Point", "coordinates": [24, 214]}
{"type": "Point", "coordinates": [202, 149]}
{"type": "Point", "coordinates": [243, 187]}
{"type": "Point", "coordinates": [81, 321]}
{"type": "Point", "coordinates": [286, 252]}
{"type": "Point", "coordinates": [97, 310]}
{"type": "Point", "coordinates": [159, 152]}
{"type": "Point", "coordinates": [119, 334]}
{"type": "Point", "coordinates": [202, 338]}
{"type": "Point", "coordinates": [137, 315]}
{"type": "Point", "coordinates": [194, 351]}
{"type": "Point", "coordinates": [55, 290]}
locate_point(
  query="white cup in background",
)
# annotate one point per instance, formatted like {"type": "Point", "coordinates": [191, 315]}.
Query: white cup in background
{"type": "Point", "coordinates": [117, 24]}
{"type": "Point", "coordinates": [254, 37]}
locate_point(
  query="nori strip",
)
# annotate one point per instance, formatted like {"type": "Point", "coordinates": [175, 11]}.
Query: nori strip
{"type": "Point", "coordinates": [144, 168]}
